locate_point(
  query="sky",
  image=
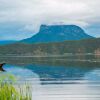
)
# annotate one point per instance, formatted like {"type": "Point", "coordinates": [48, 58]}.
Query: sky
{"type": "Point", "coordinates": [20, 19]}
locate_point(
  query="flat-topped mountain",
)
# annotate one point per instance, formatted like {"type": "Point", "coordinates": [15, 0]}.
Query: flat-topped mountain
{"type": "Point", "coordinates": [58, 33]}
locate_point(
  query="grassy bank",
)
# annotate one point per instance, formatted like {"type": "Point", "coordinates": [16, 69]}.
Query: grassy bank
{"type": "Point", "coordinates": [11, 91]}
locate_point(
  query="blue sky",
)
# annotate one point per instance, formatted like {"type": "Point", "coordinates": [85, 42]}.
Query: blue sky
{"type": "Point", "coordinates": [21, 19]}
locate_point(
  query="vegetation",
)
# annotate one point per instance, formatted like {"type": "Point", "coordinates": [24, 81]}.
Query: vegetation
{"type": "Point", "coordinates": [10, 91]}
{"type": "Point", "coordinates": [55, 48]}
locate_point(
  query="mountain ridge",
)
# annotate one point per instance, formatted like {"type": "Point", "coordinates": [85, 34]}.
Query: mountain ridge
{"type": "Point", "coordinates": [5, 42]}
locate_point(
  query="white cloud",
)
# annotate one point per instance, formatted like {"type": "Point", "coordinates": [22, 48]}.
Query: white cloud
{"type": "Point", "coordinates": [33, 13]}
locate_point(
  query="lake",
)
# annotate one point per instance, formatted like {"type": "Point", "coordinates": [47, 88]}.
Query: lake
{"type": "Point", "coordinates": [57, 78]}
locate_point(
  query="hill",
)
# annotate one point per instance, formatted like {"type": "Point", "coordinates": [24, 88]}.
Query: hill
{"type": "Point", "coordinates": [56, 48]}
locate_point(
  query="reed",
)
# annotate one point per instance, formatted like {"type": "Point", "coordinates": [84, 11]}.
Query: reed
{"type": "Point", "coordinates": [11, 91]}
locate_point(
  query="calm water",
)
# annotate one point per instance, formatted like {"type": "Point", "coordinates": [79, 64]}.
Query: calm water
{"type": "Point", "coordinates": [58, 79]}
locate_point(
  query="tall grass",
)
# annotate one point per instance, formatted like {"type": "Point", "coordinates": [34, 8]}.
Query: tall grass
{"type": "Point", "coordinates": [11, 91]}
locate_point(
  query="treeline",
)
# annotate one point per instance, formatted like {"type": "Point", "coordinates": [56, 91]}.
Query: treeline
{"type": "Point", "coordinates": [56, 48]}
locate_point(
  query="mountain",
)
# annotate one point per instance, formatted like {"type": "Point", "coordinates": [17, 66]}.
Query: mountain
{"type": "Point", "coordinates": [4, 42]}
{"type": "Point", "coordinates": [58, 33]}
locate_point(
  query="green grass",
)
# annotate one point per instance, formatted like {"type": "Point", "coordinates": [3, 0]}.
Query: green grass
{"type": "Point", "coordinates": [11, 91]}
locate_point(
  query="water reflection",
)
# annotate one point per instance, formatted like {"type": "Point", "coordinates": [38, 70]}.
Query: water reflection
{"type": "Point", "coordinates": [58, 79]}
{"type": "Point", "coordinates": [23, 75]}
